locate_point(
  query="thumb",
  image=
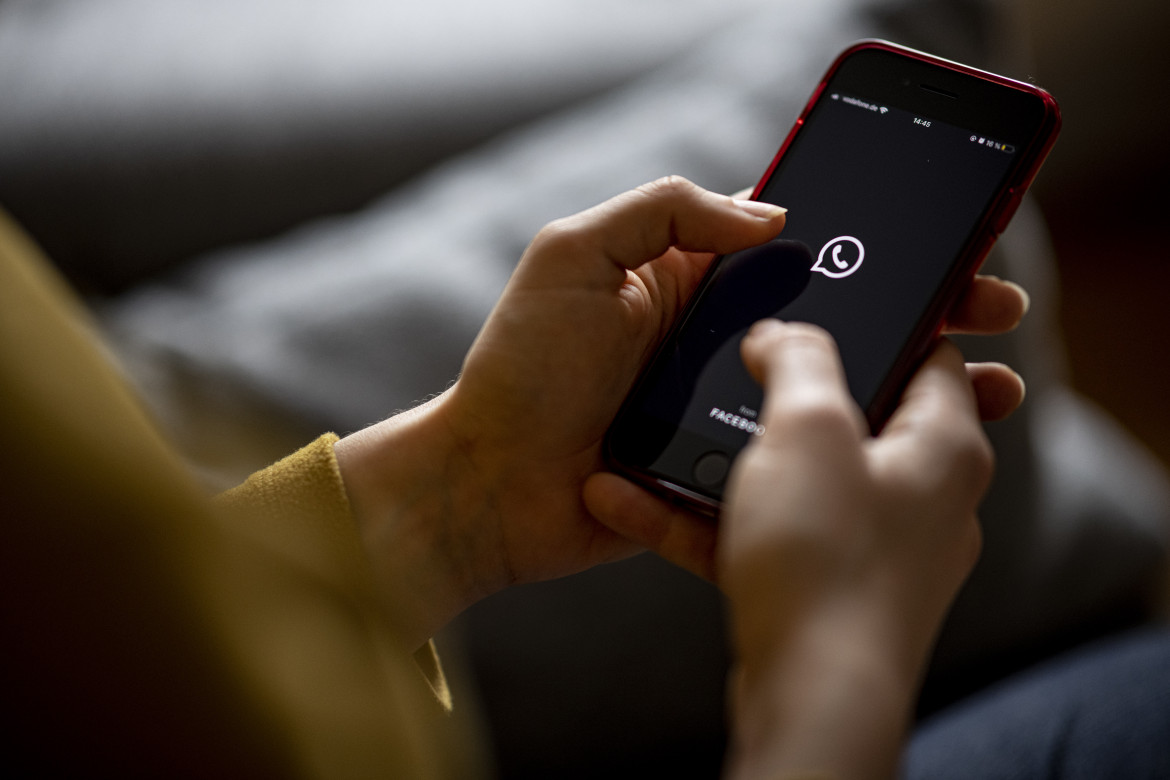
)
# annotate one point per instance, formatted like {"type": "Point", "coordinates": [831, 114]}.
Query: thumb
{"type": "Point", "coordinates": [806, 394]}
{"type": "Point", "coordinates": [597, 246]}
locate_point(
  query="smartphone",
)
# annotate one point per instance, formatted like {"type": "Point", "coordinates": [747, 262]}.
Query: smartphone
{"type": "Point", "coordinates": [898, 176]}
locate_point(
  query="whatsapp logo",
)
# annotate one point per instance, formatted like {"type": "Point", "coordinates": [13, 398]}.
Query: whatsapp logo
{"type": "Point", "coordinates": [840, 257]}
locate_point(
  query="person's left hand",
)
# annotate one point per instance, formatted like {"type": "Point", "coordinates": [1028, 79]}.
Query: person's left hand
{"type": "Point", "coordinates": [481, 487]}
{"type": "Point", "coordinates": [589, 301]}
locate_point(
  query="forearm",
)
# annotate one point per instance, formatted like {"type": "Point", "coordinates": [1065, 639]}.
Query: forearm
{"type": "Point", "coordinates": [828, 703]}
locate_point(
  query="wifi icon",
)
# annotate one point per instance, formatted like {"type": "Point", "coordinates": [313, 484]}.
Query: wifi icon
{"type": "Point", "coordinates": [883, 109]}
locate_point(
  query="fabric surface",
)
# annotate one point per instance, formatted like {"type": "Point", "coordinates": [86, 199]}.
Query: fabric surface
{"type": "Point", "coordinates": [1100, 713]}
{"type": "Point", "coordinates": [299, 505]}
{"type": "Point", "coordinates": [137, 133]}
{"type": "Point", "coordinates": [149, 633]}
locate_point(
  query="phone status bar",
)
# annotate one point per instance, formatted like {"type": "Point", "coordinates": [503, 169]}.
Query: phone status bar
{"type": "Point", "coordinates": [1001, 147]}
{"type": "Point", "coordinates": [877, 108]}
{"type": "Point", "coordinates": [857, 102]}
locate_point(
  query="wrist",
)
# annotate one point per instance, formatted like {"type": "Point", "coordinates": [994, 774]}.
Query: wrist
{"type": "Point", "coordinates": [830, 691]}
{"type": "Point", "coordinates": [415, 500]}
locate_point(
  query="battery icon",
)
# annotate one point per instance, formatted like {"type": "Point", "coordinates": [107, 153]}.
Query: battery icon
{"type": "Point", "coordinates": [1009, 148]}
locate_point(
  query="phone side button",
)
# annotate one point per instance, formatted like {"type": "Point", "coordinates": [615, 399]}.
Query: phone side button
{"type": "Point", "coordinates": [1008, 211]}
{"type": "Point", "coordinates": [711, 469]}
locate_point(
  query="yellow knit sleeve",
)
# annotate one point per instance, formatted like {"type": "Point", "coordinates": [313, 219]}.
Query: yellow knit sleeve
{"type": "Point", "coordinates": [162, 634]}
{"type": "Point", "coordinates": [299, 507]}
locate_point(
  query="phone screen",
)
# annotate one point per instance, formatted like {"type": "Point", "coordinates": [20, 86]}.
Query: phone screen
{"type": "Point", "coordinates": [883, 199]}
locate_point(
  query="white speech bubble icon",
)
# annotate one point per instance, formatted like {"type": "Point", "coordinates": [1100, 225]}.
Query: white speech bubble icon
{"type": "Point", "coordinates": [841, 268]}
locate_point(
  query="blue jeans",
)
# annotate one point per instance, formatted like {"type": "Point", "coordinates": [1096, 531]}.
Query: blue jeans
{"type": "Point", "coordinates": [1100, 712]}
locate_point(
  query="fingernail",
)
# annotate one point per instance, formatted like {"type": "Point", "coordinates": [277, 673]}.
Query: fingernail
{"type": "Point", "coordinates": [1023, 293]}
{"type": "Point", "coordinates": [764, 327]}
{"type": "Point", "coordinates": [760, 209]}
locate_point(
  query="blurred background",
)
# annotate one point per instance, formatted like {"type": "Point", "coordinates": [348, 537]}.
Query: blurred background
{"type": "Point", "coordinates": [1105, 198]}
{"type": "Point", "coordinates": [292, 216]}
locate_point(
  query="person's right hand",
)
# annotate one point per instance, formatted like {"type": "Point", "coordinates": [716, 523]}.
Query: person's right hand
{"type": "Point", "coordinates": [841, 552]}
{"type": "Point", "coordinates": [819, 510]}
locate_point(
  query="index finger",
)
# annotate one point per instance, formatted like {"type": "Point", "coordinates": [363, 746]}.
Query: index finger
{"type": "Point", "coordinates": [989, 305]}
{"type": "Point", "coordinates": [807, 400]}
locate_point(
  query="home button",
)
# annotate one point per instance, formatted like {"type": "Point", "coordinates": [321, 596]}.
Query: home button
{"type": "Point", "coordinates": [711, 469]}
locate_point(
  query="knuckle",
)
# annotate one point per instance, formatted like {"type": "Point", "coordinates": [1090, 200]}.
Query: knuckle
{"type": "Point", "coordinates": [668, 187]}
{"type": "Point", "coordinates": [978, 459]}
{"type": "Point", "coordinates": [969, 452]}
{"type": "Point", "coordinates": [811, 415]}
{"type": "Point", "coordinates": [966, 463]}
{"type": "Point", "coordinates": [560, 238]}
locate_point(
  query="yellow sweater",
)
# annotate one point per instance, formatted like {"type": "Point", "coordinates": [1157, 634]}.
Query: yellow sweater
{"type": "Point", "coordinates": [149, 630]}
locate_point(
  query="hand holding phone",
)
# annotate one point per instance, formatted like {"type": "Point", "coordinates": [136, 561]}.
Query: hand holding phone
{"type": "Point", "coordinates": [898, 176]}
{"type": "Point", "coordinates": [840, 554]}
